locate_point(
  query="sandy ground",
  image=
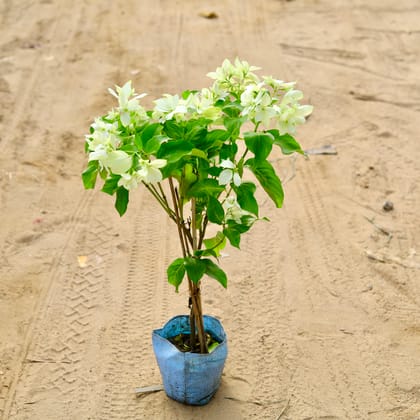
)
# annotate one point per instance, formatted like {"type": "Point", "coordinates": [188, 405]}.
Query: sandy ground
{"type": "Point", "coordinates": [317, 329]}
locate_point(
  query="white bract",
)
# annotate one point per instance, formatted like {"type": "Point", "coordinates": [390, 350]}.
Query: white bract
{"type": "Point", "coordinates": [104, 134]}
{"type": "Point", "coordinates": [233, 78]}
{"type": "Point", "coordinates": [129, 181]}
{"type": "Point", "coordinates": [201, 104]}
{"type": "Point", "coordinates": [277, 84]}
{"type": "Point", "coordinates": [290, 113]}
{"type": "Point", "coordinates": [233, 211]}
{"type": "Point", "coordinates": [228, 174]}
{"type": "Point", "coordinates": [149, 172]}
{"type": "Point", "coordinates": [168, 107]}
{"type": "Point", "coordinates": [129, 108]}
{"type": "Point", "coordinates": [257, 103]}
{"type": "Point", "coordinates": [116, 161]}
{"type": "Point", "coordinates": [100, 154]}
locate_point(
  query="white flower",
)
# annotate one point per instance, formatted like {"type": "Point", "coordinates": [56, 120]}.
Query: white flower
{"type": "Point", "coordinates": [129, 181]}
{"type": "Point", "coordinates": [168, 107]}
{"type": "Point", "coordinates": [118, 162]}
{"type": "Point", "coordinates": [105, 134]}
{"type": "Point", "coordinates": [128, 108]}
{"type": "Point", "coordinates": [202, 104]}
{"type": "Point", "coordinates": [277, 84]}
{"type": "Point", "coordinates": [228, 174]}
{"type": "Point", "coordinates": [149, 172]}
{"type": "Point", "coordinates": [233, 78]}
{"type": "Point", "coordinates": [240, 70]}
{"type": "Point", "coordinates": [244, 70]}
{"type": "Point", "coordinates": [257, 103]}
{"type": "Point", "coordinates": [292, 97]}
{"type": "Point", "coordinates": [100, 154]}
{"type": "Point", "coordinates": [233, 211]}
{"type": "Point", "coordinates": [290, 113]}
{"type": "Point", "coordinates": [103, 126]}
{"type": "Point", "coordinates": [223, 73]}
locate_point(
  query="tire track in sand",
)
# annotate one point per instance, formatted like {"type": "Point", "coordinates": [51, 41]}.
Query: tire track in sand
{"type": "Point", "coordinates": [130, 361]}
{"type": "Point", "coordinates": [59, 361]}
{"type": "Point", "coordinates": [45, 300]}
{"type": "Point", "coordinates": [378, 384]}
{"type": "Point", "coordinates": [62, 31]}
{"type": "Point", "coordinates": [349, 370]}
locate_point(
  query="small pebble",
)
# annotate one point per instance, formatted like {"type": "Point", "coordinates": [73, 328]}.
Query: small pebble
{"type": "Point", "coordinates": [388, 206]}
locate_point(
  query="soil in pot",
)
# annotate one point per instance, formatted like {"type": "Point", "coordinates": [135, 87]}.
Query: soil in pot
{"type": "Point", "coordinates": [183, 343]}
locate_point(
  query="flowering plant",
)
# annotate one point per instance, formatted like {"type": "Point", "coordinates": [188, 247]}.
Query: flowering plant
{"type": "Point", "coordinates": [193, 149]}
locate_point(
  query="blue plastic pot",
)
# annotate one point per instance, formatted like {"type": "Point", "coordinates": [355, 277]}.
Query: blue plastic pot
{"type": "Point", "coordinates": [190, 378]}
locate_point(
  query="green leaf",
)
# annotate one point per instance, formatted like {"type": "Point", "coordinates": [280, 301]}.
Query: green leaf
{"type": "Point", "coordinates": [149, 131]}
{"type": "Point", "coordinates": [268, 179]}
{"type": "Point", "coordinates": [233, 235]}
{"type": "Point", "coordinates": [215, 170]}
{"type": "Point", "coordinates": [205, 188]}
{"type": "Point", "coordinates": [232, 109]}
{"type": "Point", "coordinates": [228, 151]}
{"type": "Point", "coordinates": [195, 131]}
{"type": "Point", "coordinates": [121, 201]}
{"type": "Point", "coordinates": [205, 253]}
{"type": "Point", "coordinates": [172, 169]}
{"type": "Point", "coordinates": [138, 142]}
{"type": "Point", "coordinates": [90, 174]}
{"type": "Point", "coordinates": [153, 144]}
{"type": "Point", "coordinates": [215, 272]}
{"type": "Point", "coordinates": [195, 268]}
{"type": "Point", "coordinates": [215, 212]}
{"type": "Point", "coordinates": [174, 129]}
{"type": "Point", "coordinates": [287, 143]}
{"type": "Point", "coordinates": [176, 272]}
{"type": "Point", "coordinates": [187, 93]}
{"type": "Point", "coordinates": [111, 184]}
{"type": "Point", "coordinates": [245, 196]}
{"type": "Point", "coordinates": [217, 135]}
{"type": "Point", "coordinates": [216, 244]}
{"type": "Point", "coordinates": [233, 126]}
{"type": "Point", "coordinates": [174, 150]}
{"type": "Point", "coordinates": [213, 346]}
{"type": "Point", "coordinates": [259, 143]}
{"type": "Point", "coordinates": [212, 141]}
{"type": "Point", "coordinates": [242, 227]}
{"type": "Point", "coordinates": [199, 153]}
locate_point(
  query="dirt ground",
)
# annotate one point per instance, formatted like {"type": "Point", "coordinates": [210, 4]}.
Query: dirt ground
{"type": "Point", "coordinates": [322, 309]}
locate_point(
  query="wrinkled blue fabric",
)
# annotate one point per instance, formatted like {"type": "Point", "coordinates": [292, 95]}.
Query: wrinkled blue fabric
{"type": "Point", "coordinates": [190, 378]}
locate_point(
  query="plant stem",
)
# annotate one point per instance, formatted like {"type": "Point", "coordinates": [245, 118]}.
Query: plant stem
{"type": "Point", "coordinates": [196, 314]}
{"type": "Point", "coordinates": [178, 220]}
{"type": "Point", "coordinates": [203, 232]}
{"type": "Point", "coordinates": [196, 307]}
{"type": "Point", "coordinates": [162, 201]}
{"type": "Point", "coordinates": [193, 225]}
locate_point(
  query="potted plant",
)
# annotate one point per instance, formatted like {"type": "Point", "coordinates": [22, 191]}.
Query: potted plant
{"type": "Point", "coordinates": [193, 153]}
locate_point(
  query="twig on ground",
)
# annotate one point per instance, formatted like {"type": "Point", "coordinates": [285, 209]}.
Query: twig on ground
{"type": "Point", "coordinates": [327, 149]}
{"type": "Point", "coordinates": [380, 228]}
{"type": "Point", "coordinates": [47, 361]}
{"type": "Point", "coordinates": [140, 392]}
{"type": "Point", "coordinates": [244, 401]}
{"type": "Point", "coordinates": [284, 409]}
{"type": "Point", "coordinates": [391, 259]}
